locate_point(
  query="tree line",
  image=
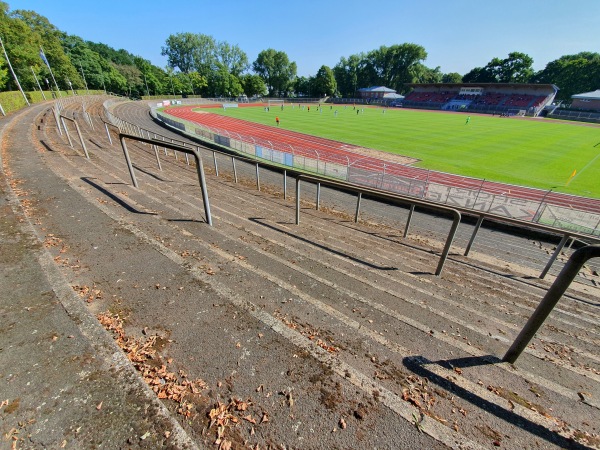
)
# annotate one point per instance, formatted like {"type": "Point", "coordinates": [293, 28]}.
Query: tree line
{"type": "Point", "coordinates": [197, 64]}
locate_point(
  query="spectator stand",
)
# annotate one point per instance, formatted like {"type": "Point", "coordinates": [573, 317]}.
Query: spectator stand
{"type": "Point", "coordinates": [486, 98]}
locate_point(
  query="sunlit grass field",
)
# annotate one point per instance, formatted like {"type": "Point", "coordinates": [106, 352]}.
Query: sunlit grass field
{"type": "Point", "coordinates": [539, 153]}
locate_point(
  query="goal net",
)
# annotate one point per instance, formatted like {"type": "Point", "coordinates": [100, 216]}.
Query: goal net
{"type": "Point", "coordinates": [275, 103]}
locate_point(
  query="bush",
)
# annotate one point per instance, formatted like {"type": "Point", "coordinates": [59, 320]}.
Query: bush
{"type": "Point", "coordinates": [13, 100]}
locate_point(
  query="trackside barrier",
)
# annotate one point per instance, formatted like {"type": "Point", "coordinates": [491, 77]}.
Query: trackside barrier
{"type": "Point", "coordinates": [553, 295]}
{"type": "Point", "coordinates": [525, 224]}
{"type": "Point", "coordinates": [562, 211]}
{"type": "Point", "coordinates": [387, 197]}
{"type": "Point", "coordinates": [195, 153]}
{"type": "Point", "coordinates": [253, 158]}
{"type": "Point", "coordinates": [63, 118]}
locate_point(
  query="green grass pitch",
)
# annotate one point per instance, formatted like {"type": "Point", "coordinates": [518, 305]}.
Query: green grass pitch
{"type": "Point", "coordinates": [540, 153]}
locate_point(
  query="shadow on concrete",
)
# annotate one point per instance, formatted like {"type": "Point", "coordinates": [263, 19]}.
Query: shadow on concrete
{"type": "Point", "coordinates": [262, 222]}
{"type": "Point", "coordinates": [115, 198]}
{"type": "Point", "coordinates": [47, 147]}
{"type": "Point", "coordinates": [417, 365]}
{"type": "Point", "coordinates": [156, 177]}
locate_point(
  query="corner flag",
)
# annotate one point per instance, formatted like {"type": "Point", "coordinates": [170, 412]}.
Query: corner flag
{"type": "Point", "coordinates": [571, 177]}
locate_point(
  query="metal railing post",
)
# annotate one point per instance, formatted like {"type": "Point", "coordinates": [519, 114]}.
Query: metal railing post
{"type": "Point", "coordinates": [81, 139]}
{"type": "Point", "coordinates": [318, 202]}
{"type": "Point", "coordinates": [155, 148]}
{"type": "Point", "coordinates": [66, 132]}
{"type": "Point", "coordinates": [235, 177]}
{"type": "Point", "coordinates": [559, 248]}
{"type": "Point", "coordinates": [257, 178]}
{"type": "Point", "coordinates": [55, 113]}
{"type": "Point", "coordinates": [128, 161]}
{"type": "Point", "coordinates": [553, 295]}
{"type": "Point", "coordinates": [410, 214]}
{"type": "Point", "coordinates": [202, 178]}
{"type": "Point", "coordinates": [357, 207]}
{"type": "Point", "coordinates": [108, 134]}
{"type": "Point", "coordinates": [475, 231]}
{"type": "Point", "coordinates": [284, 184]}
{"type": "Point", "coordinates": [297, 200]}
{"type": "Point", "coordinates": [216, 166]}
{"type": "Point", "coordinates": [449, 240]}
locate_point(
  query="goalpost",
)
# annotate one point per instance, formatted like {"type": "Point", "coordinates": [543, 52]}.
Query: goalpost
{"type": "Point", "coordinates": [275, 102]}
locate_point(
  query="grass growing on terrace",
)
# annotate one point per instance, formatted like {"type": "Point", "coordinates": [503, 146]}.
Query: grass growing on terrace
{"type": "Point", "coordinates": [540, 153]}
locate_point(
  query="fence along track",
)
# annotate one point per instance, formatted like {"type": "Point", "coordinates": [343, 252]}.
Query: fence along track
{"type": "Point", "coordinates": [566, 235]}
{"type": "Point", "coordinates": [563, 211]}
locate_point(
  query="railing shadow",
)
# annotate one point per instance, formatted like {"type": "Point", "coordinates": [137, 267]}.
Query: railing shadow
{"type": "Point", "coordinates": [115, 198]}
{"type": "Point", "coordinates": [156, 177]}
{"type": "Point", "coordinates": [47, 147]}
{"type": "Point", "coordinates": [417, 365]}
{"type": "Point", "coordinates": [262, 222]}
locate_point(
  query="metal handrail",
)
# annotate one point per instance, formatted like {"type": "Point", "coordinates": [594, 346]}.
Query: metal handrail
{"type": "Point", "coordinates": [553, 295]}
{"type": "Point", "coordinates": [63, 118]}
{"type": "Point", "coordinates": [382, 195]}
{"type": "Point", "coordinates": [469, 212]}
{"type": "Point", "coordinates": [195, 153]}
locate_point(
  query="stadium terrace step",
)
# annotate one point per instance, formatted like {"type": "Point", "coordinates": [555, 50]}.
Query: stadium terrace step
{"type": "Point", "coordinates": [325, 334]}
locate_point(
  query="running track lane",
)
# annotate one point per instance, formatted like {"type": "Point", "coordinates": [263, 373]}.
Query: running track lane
{"type": "Point", "coordinates": [331, 151]}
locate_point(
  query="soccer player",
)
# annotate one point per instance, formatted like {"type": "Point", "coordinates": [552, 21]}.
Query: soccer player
{"type": "Point", "coordinates": [468, 120]}
{"type": "Point", "coordinates": [277, 120]}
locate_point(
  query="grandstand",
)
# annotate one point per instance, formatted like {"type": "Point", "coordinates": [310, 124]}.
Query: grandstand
{"type": "Point", "coordinates": [490, 98]}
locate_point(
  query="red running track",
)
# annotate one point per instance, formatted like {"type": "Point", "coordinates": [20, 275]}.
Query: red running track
{"type": "Point", "coordinates": [331, 151]}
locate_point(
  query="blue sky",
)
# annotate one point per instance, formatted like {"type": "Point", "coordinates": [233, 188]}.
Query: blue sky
{"type": "Point", "coordinates": [458, 35]}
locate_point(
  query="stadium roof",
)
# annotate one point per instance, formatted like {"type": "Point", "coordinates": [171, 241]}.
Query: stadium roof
{"type": "Point", "coordinates": [376, 89]}
{"type": "Point", "coordinates": [485, 85]}
{"type": "Point", "coordinates": [594, 95]}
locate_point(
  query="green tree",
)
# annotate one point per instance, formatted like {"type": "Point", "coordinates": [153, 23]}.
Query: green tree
{"type": "Point", "coordinates": [179, 50]}
{"type": "Point", "coordinates": [392, 67]}
{"type": "Point", "coordinates": [303, 86]}
{"type": "Point", "coordinates": [198, 82]}
{"type": "Point", "coordinates": [226, 84]}
{"type": "Point", "coordinates": [452, 77]}
{"type": "Point", "coordinates": [275, 68]}
{"type": "Point", "coordinates": [346, 74]}
{"type": "Point", "coordinates": [20, 43]}
{"type": "Point", "coordinates": [573, 74]}
{"type": "Point", "coordinates": [253, 85]}
{"type": "Point", "coordinates": [232, 58]}
{"type": "Point", "coordinates": [423, 74]}
{"type": "Point", "coordinates": [516, 68]}
{"type": "Point", "coordinates": [324, 82]}
{"type": "Point", "coordinates": [50, 37]}
{"type": "Point", "coordinates": [397, 64]}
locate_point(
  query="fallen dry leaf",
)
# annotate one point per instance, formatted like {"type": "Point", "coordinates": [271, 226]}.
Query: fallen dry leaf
{"type": "Point", "coordinates": [99, 406]}
{"type": "Point", "coordinates": [342, 423]}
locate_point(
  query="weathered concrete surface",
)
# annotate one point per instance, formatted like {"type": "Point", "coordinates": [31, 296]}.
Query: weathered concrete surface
{"type": "Point", "coordinates": [65, 384]}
